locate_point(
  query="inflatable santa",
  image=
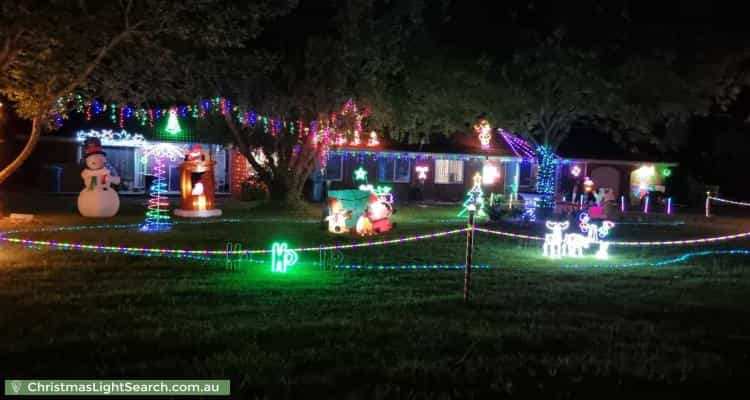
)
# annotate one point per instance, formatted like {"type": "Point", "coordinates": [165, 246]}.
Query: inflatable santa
{"type": "Point", "coordinates": [197, 186]}
{"type": "Point", "coordinates": [97, 199]}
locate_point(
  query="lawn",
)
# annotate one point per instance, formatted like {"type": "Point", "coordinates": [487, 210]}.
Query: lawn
{"type": "Point", "coordinates": [534, 326]}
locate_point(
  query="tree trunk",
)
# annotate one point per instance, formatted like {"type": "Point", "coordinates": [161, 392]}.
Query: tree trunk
{"type": "Point", "coordinates": [545, 180]}
{"type": "Point", "coordinates": [36, 133]}
{"type": "Point", "coordinates": [285, 191]}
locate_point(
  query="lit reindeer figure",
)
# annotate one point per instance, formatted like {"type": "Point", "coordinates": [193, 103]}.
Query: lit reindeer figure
{"type": "Point", "coordinates": [553, 242]}
{"type": "Point", "coordinates": [574, 244]}
{"type": "Point", "coordinates": [595, 233]}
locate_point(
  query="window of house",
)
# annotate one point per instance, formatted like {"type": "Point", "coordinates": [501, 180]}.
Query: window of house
{"type": "Point", "coordinates": [394, 169]}
{"type": "Point", "coordinates": [449, 171]}
{"type": "Point", "coordinates": [335, 167]}
{"type": "Point", "coordinates": [525, 175]}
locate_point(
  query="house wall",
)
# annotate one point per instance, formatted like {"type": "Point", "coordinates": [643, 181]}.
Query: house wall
{"type": "Point", "coordinates": [55, 156]}
{"type": "Point", "coordinates": [414, 190]}
{"type": "Point", "coordinates": [47, 160]}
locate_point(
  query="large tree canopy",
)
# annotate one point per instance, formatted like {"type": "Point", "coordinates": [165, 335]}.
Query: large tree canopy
{"type": "Point", "coordinates": [113, 49]}
{"type": "Point", "coordinates": [420, 67]}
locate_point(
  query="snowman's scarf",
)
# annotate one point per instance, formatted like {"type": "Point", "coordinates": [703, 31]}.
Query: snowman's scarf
{"type": "Point", "coordinates": [92, 183]}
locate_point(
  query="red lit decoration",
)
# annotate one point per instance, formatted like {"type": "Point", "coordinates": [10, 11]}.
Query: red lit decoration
{"type": "Point", "coordinates": [240, 173]}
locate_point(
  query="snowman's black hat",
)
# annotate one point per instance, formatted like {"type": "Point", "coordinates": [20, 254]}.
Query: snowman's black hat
{"type": "Point", "coordinates": [93, 146]}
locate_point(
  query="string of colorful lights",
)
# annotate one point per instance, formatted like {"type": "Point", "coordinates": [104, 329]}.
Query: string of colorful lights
{"type": "Point", "coordinates": [631, 243]}
{"type": "Point", "coordinates": [181, 252]}
{"type": "Point", "coordinates": [408, 267]}
{"type": "Point", "coordinates": [670, 261]}
{"type": "Point", "coordinates": [508, 234]}
{"type": "Point", "coordinates": [327, 130]}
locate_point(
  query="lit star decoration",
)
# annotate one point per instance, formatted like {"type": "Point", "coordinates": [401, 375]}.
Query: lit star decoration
{"type": "Point", "coordinates": [484, 130]}
{"type": "Point", "coordinates": [360, 174]}
{"type": "Point", "coordinates": [282, 257]}
{"type": "Point", "coordinates": [575, 171]}
{"type": "Point", "coordinates": [475, 198]}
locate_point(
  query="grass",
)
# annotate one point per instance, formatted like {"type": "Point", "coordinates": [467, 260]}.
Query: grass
{"type": "Point", "coordinates": [533, 328]}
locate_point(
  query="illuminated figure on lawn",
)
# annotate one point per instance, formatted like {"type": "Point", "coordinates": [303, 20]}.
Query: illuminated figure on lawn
{"type": "Point", "coordinates": [553, 242]}
{"type": "Point", "coordinates": [337, 216]}
{"type": "Point", "coordinates": [475, 197]}
{"type": "Point", "coordinates": [197, 186]}
{"type": "Point", "coordinates": [556, 245]}
{"type": "Point", "coordinates": [98, 198]}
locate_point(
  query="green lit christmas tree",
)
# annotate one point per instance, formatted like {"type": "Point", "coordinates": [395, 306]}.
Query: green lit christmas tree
{"type": "Point", "coordinates": [475, 196]}
{"type": "Point", "coordinates": [173, 126]}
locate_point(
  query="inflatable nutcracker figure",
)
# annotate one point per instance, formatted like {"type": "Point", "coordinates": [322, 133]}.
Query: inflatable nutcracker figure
{"type": "Point", "coordinates": [197, 186]}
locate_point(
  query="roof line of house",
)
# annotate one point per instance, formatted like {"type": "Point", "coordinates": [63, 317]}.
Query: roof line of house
{"type": "Point", "coordinates": [616, 162]}
{"type": "Point", "coordinates": [427, 154]}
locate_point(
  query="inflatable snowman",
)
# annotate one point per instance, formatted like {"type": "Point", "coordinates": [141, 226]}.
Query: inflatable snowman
{"type": "Point", "coordinates": [97, 199]}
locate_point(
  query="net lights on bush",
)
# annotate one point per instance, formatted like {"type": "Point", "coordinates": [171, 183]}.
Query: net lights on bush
{"type": "Point", "coordinates": [157, 216]}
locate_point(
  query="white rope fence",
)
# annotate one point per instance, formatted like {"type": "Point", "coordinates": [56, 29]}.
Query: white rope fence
{"type": "Point", "coordinates": [710, 198]}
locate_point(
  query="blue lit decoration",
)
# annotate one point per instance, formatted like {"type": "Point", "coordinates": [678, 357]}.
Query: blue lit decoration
{"type": "Point", "coordinates": [670, 261]}
{"type": "Point", "coordinates": [408, 267]}
{"type": "Point", "coordinates": [545, 178]}
{"type": "Point", "coordinates": [529, 212]}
